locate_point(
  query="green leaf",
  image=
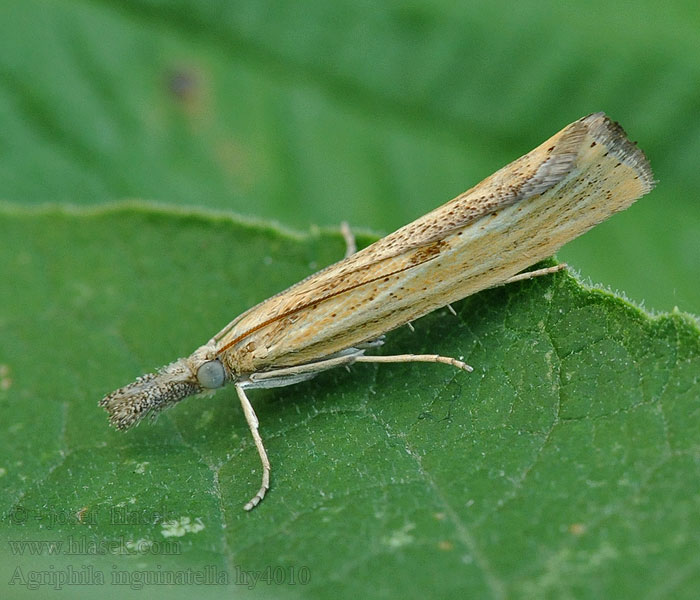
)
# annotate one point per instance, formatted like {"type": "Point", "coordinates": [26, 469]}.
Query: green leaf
{"type": "Point", "coordinates": [372, 113]}
{"type": "Point", "coordinates": [565, 465]}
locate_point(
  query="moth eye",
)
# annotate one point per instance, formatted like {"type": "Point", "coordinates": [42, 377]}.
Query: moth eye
{"type": "Point", "coordinates": [211, 374]}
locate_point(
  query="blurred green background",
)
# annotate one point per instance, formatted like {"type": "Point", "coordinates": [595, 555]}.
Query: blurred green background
{"type": "Point", "coordinates": [316, 112]}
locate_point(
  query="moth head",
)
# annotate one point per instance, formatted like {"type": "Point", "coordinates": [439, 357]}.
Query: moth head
{"type": "Point", "coordinates": [149, 394]}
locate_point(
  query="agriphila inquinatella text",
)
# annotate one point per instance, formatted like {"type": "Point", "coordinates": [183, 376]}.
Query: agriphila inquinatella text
{"type": "Point", "coordinates": [516, 217]}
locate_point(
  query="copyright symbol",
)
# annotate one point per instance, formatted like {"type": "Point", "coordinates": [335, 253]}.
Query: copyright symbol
{"type": "Point", "coordinates": [18, 516]}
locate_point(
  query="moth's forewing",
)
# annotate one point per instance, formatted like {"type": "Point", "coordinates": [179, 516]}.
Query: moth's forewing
{"type": "Point", "coordinates": [516, 217]}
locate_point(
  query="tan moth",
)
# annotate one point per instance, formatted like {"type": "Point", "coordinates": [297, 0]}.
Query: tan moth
{"type": "Point", "coordinates": [482, 238]}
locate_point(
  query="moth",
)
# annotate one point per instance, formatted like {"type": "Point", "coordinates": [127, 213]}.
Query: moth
{"type": "Point", "coordinates": [482, 238]}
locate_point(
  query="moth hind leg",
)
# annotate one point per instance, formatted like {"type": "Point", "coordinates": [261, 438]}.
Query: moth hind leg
{"type": "Point", "coordinates": [349, 237]}
{"type": "Point", "coordinates": [532, 274]}
{"type": "Point", "coordinates": [375, 343]}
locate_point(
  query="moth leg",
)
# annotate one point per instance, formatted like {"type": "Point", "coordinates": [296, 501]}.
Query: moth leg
{"type": "Point", "coordinates": [375, 343]}
{"type": "Point", "coordinates": [536, 273]}
{"type": "Point", "coordinates": [290, 375]}
{"type": "Point", "coordinates": [253, 425]}
{"type": "Point", "coordinates": [350, 243]}
{"type": "Point", "coordinates": [411, 327]}
{"type": "Point", "coordinates": [452, 310]}
{"type": "Point", "coordinates": [431, 358]}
